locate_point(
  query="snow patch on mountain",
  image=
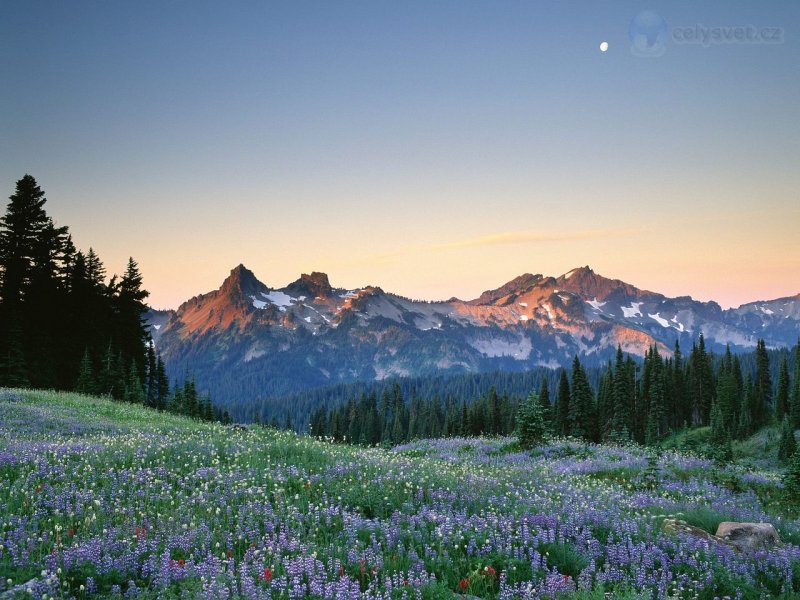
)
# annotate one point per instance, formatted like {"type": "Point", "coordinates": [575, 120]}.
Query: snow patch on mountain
{"type": "Point", "coordinates": [280, 299]}
{"type": "Point", "coordinates": [632, 311]}
{"type": "Point", "coordinates": [659, 319]}
{"type": "Point", "coordinates": [519, 349]}
{"type": "Point", "coordinates": [595, 304]}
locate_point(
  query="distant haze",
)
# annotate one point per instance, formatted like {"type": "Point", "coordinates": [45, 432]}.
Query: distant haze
{"type": "Point", "coordinates": [430, 148]}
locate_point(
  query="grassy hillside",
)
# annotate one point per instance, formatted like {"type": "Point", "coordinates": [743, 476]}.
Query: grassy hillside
{"type": "Point", "coordinates": [100, 499]}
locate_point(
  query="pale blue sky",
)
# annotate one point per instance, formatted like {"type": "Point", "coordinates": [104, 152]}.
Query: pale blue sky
{"type": "Point", "coordinates": [424, 146]}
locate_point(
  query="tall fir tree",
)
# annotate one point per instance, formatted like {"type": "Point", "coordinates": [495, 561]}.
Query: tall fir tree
{"type": "Point", "coordinates": [605, 403]}
{"type": "Point", "coordinates": [782, 393]}
{"type": "Point", "coordinates": [544, 400]}
{"type": "Point", "coordinates": [745, 422]}
{"type": "Point", "coordinates": [794, 403]}
{"type": "Point", "coordinates": [532, 426]}
{"type": "Point", "coordinates": [701, 382]}
{"type": "Point", "coordinates": [162, 385]}
{"type": "Point", "coordinates": [762, 400]}
{"type": "Point", "coordinates": [151, 384]}
{"type": "Point", "coordinates": [656, 399]}
{"type": "Point", "coordinates": [720, 439]}
{"type": "Point", "coordinates": [35, 256]}
{"type": "Point", "coordinates": [727, 399]}
{"type": "Point", "coordinates": [562, 405]}
{"type": "Point", "coordinates": [581, 417]}
{"type": "Point", "coordinates": [133, 388]}
{"type": "Point", "coordinates": [788, 443]}
{"type": "Point", "coordinates": [86, 383]}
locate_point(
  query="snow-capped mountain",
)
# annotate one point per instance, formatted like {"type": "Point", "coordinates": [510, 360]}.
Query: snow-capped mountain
{"type": "Point", "coordinates": [254, 340]}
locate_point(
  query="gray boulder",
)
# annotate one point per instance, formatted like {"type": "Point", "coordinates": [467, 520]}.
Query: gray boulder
{"type": "Point", "coordinates": [748, 536]}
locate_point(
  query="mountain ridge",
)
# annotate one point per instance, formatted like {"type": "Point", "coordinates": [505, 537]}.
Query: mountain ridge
{"type": "Point", "coordinates": [311, 333]}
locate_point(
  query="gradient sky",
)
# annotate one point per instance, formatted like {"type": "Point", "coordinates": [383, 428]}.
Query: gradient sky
{"type": "Point", "coordinates": [431, 148]}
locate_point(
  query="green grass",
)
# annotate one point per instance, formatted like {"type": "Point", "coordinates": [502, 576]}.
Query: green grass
{"type": "Point", "coordinates": [269, 479]}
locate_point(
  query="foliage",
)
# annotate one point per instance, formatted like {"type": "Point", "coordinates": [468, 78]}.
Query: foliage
{"type": "Point", "coordinates": [176, 508]}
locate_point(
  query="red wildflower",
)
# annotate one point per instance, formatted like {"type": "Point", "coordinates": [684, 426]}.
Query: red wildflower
{"type": "Point", "coordinates": [490, 571]}
{"type": "Point", "coordinates": [230, 553]}
{"type": "Point", "coordinates": [405, 581]}
{"type": "Point", "coordinates": [181, 562]}
{"type": "Point", "coordinates": [267, 575]}
{"type": "Point", "coordinates": [464, 583]}
{"type": "Point", "coordinates": [341, 571]}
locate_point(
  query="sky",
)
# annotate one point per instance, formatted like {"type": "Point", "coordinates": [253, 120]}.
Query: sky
{"type": "Point", "coordinates": [433, 148]}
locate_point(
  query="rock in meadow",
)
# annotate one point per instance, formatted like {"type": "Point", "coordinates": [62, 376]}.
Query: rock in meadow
{"type": "Point", "coordinates": [748, 536]}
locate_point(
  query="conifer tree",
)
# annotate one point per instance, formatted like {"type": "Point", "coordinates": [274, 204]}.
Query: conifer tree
{"type": "Point", "coordinates": [34, 259]}
{"type": "Point", "coordinates": [162, 385]}
{"type": "Point", "coordinates": [794, 408]}
{"type": "Point", "coordinates": [745, 425]}
{"type": "Point", "coordinates": [656, 399]}
{"type": "Point", "coordinates": [605, 403]}
{"type": "Point", "coordinates": [190, 405]}
{"type": "Point", "coordinates": [532, 427]}
{"type": "Point", "coordinates": [581, 406]}
{"type": "Point", "coordinates": [494, 412]}
{"type": "Point", "coordinates": [682, 409]}
{"type": "Point", "coordinates": [700, 383]}
{"type": "Point", "coordinates": [86, 383]}
{"type": "Point", "coordinates": [544, 400]}
{"type": "Point", "coordinates": [782, 393]}
{"type": "Point", "coordinates": [762, 400]}
{"type": "Point", "coordinates": [791, 478]}
{"type": "Point", "coordinates": [720, 440]}
{"type": "Point", "coordinates": [727, 399]}
{"type": "Point", "coordinates": [788, 443]}
{"type": "Point", "coordinates": [624, 397]}
{"type": "Point", "coordinates": [151, 387]}
{"type": "Point", "coordinates": [133, 388]}
{"type": "Point", "coordinates": [562, 405]}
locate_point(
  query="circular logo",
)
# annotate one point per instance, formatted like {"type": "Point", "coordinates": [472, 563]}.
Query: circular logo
{"type": "Point", "coordinates": [648, 34]}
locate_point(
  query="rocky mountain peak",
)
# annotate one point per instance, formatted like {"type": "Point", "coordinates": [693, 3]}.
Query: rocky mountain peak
{"type": "Point", "coordinates": [515, 286]}
{"type": "Point", "coordinates": [313, 285]}
{"type": "Point", "coordinates": [241, 281]}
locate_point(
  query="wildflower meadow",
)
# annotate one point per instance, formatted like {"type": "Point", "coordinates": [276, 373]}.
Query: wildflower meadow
{"type": "Point", "coordinates": [102, 499]}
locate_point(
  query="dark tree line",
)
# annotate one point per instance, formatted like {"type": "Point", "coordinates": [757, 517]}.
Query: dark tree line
{"type": "Point", "coordinates": [638, 401]}
{"type": "Point", "coordinates": [390, 419]}
{"type": "Point", "coordinates": [58, 311]}
{"type": "Point", "coordinates": [64, 325]}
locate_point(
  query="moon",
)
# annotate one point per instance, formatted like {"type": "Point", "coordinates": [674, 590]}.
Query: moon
{"type": "Point", "coordinates": [603, 46]}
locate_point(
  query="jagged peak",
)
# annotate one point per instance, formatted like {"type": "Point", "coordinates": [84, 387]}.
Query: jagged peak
{"type": "Point", "coordinates": [581, 271]}
{"type": "Point", "coordinates": [515, 286]}
{"type": "Point", "coordinates": [241, 282]}
{"type": "Point", "coordinates": [313, 285]}
{"type": "Point", "coordinates": [588, 284]}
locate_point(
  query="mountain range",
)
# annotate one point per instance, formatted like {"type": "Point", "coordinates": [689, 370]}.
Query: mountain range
{"type": "Point", "coordinates": [248, 340]}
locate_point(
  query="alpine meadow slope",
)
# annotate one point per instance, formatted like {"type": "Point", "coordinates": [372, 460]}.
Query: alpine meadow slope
{"type": "Point", "coordinates": [107, 499]}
